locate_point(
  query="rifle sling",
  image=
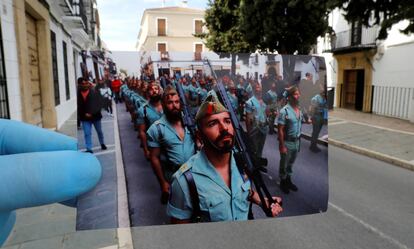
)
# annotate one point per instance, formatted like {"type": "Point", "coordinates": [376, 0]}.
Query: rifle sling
{"type": "Point", "coordinates": [195, 201]}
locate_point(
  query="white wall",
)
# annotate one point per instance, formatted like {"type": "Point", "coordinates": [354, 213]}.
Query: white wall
{"type": "Point", "coordinates": [11, 61]}
{"type": "Point", "coordinates": [393, 81]}
{"type": "Point", "coordinates": [337, 21]}
{"type": "Point", "coordinates": [308, 68]}
{"type": "Point", "coordinates": [395, 67]}
{"type": "Point", "coordinates": [395, 37]}
{"type": "Point", "coordinates": [66, 107]}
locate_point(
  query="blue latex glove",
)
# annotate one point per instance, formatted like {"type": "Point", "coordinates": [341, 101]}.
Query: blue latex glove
{"type": "Point", "coordinates": [39, 167]}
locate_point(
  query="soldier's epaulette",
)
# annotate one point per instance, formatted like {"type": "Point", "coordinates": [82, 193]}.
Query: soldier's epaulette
{"type": "Point", "coordinates": [158, 122]}
{"type": "Point", "coordinates": [181, 171]}
{"type": "Point", "coordinates": [183, 168]}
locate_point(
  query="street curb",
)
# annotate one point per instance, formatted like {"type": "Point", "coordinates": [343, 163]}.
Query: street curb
{"type": "Point", "coordinates": [124, 230]}
{"type": "Point", "coordinates": [309, 137]}
{"type": "Point", "coordinates": [386, 158]}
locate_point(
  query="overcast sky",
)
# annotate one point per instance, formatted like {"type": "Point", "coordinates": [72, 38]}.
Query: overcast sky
{"type": "Point", "coordinates": [120, 19]}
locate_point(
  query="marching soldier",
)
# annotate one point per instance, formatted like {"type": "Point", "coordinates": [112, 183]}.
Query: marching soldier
{"type": "Point", "coordinates": [256, 120]}
{"type": "Point", "coordinates": [148, 113]}
{"type": "Point", "coordinates": [209, 186]}
{"type": "Point", "coordinates": [289, 130]}
{"type": "Point", "coordinates": [317, 111]}
{"type": "Point", "coordinates": [169, 141]}
{"type": "Point", "coordinates": [270, 99]}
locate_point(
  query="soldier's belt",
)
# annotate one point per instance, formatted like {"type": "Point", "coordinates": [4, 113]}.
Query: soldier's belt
{"type": "Point", "coordinates": [169, 165]}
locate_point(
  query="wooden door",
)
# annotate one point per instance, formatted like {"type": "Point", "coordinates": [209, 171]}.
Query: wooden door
{"type": "Point", "coordinates": [360, 88]}
{"type": "Point", "coordinates": [350, 88]}
{"type": "Point", "coordinates": [34, 70]}
{"type": "Point", "coordinates": [353, 89]}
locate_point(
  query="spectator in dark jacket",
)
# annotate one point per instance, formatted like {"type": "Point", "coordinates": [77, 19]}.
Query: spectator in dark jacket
{"type": "Point", "coordinates": [89, 113]}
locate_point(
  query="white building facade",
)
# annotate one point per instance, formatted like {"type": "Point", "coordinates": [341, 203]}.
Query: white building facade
{"type": "Point", "coordinates": [370, 75]}
{"type": "Point", "coordinates": [41, 45]}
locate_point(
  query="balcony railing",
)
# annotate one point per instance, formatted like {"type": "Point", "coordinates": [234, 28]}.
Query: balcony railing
{"type": "Point", "coordinates": [197, 56]}
{"type": "Point", "coordinates": [77, 17]}
{"type": "Point", "coordinates": [82, 14]}
{"type": "Point", "coordinates": [350, 39]}
{"type": "Point", "coordinates": [165, 56]}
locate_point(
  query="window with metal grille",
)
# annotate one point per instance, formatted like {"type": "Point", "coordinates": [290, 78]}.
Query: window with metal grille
{"type": "Point", "coordinates": [65, 64]}
{"type": "Point", "coordinates": [55, 68]}
{"type": "Point", "coordinates": [4, 103]}
{"type": "Point", "coordinates": [356, 33]}
{"type": "Point", "coordinates": [162, 29]}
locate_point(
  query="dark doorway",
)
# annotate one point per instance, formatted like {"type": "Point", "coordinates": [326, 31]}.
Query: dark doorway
{"type": "Point", "coordinates": [354, 89]}
{"type": "Point", "coordinates": [272, 72]}
{"type": "Point", "coordinates": [359, 98]}
{"type": "Point", "coordinates": [162, 71]}
{"type": "Point", "coordinates": [177, 73]}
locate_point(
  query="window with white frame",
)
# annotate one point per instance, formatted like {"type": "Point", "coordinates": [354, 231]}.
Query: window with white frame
{"type": "Point", "coordinates": [198, 26]}
{"type": "Point", "coordinates": [161, 26]}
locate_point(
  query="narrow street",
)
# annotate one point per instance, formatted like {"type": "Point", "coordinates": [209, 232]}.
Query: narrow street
{"type": "Point", "coordinates": [369, 207]}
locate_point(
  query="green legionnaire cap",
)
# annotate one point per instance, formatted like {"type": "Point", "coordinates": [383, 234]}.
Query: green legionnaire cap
{"type": "Point", "coordinates": [291, 90]}
{"type": "Point", "coordinates": [169, 90]}
{"type": "Point", "coordinates": [211, 105]}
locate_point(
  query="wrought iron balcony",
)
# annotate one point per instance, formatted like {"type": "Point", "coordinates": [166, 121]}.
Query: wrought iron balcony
{"type": "Point", "coordinates": [165, 56]}
{"type": "Point", "coordinates": [197, 56]}
{"type": "Point", "coordinates": [75, 16]}
{"type": "Point", "coordinates": [351, 40]}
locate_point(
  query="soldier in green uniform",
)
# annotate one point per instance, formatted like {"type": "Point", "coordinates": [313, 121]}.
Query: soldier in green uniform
{"type": "Point", "coordinates": [270, 98]}
{"type": "Point", "coordinates": [289, 130]}
{"type": "Point", "coordinates": [193, 96]}
{"type": "Point", "coordinates": [148, 113]}
{"type": "Point", "coordinates": [169, 141]}
{"type": "Point", "coordinates": [224, 193]}
{"type": "Point", "coordinates": [317, 111]}
{"type": "Point", "coordinates": [232, 93]}
{"type": "Point", "coordinates": [202, 90]}
{"type": "Point", "coordinates": [256, 120]}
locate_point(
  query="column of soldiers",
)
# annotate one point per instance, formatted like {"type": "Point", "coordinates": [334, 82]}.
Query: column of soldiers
{"type": "Point", "coordinates": [201, 163]}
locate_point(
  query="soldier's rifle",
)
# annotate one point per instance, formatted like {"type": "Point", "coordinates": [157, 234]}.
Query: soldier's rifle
{"type": "Point", "coordinates": [247, 161]}
{"type": "Point", "coordinates": [188, 120]}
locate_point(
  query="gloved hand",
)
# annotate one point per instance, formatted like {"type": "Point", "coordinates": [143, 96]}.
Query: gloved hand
{"type": "Point", "coordinates": [39, 167]}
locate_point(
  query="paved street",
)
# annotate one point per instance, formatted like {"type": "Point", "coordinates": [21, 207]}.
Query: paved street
{"type": "Point", "coordinates": [387, 139]}
{"type": "Point", "coordinates": [98, 209]}
{"type": "Point", "coordinates": [143, 189]}
{"type": "Point", "coordinates": [370, 206]}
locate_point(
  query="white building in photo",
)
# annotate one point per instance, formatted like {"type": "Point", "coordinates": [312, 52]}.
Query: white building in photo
{"type": "Point", "coordinates": [167, 45]}
{"type": "Point", "coordinates": [370, 75]}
